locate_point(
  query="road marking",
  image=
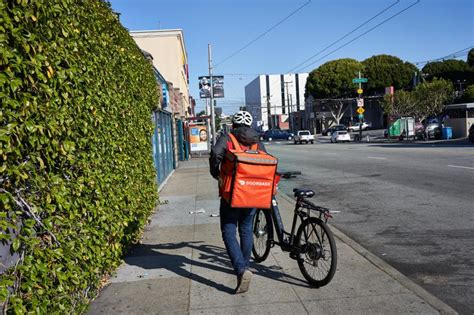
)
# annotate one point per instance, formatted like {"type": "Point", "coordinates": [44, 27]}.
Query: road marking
{"type": "Point", "coordinates": [328, 153]}
{"type": "Point", "coordinates": [457, 166]}
{"type": "Point", "coordinates": [376, 158]}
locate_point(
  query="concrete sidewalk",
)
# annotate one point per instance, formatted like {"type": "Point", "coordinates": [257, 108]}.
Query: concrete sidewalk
{"type": "Point", "coordinates": [181, 267]}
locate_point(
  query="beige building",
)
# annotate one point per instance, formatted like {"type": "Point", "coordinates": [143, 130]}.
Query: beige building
{"type": "Point", "coordinates": [169, 57]}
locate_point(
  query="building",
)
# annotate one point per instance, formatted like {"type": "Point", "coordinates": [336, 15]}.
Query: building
{"type": "Point", "coordinates": [163, 145]}
{"type": "Point", "coordinates": [271, 98]}
{"type": "Point", "coordinates": [460, 117]}
{"type": "Point", "coordinates": [170, 57]}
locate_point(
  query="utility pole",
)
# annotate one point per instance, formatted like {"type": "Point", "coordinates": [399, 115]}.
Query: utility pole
{"type": "Point", "coordinates": [269, 114]}
{"type": "Point", "coordinates": [213, 118]}
{"type": "Point", "coordinates": [361, 119]}
{"type": "Point", "coordinates": [287, 95]}
{"type": "Point", "coordinates": [208, 123]}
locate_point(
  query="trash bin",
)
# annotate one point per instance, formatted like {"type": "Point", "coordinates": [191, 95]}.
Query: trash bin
{"type": "Point", "coordinates": [447, 133]}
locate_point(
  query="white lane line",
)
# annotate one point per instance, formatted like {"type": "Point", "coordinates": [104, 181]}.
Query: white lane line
{"type": "Point", "coordinates": [466, 167]}
{"type": "Point", "coordinates": [328, 153]}
{"type": "Point", "coordinates": [376, 158]}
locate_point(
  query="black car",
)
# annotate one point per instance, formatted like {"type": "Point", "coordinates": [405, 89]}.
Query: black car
{"type": "Point", "coordinates": [330, 130]}
{"type": "Point", "coordinates": [277, 134]}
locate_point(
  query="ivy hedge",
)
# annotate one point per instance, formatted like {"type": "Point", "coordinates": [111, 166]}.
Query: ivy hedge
{"type": "Point", "coordinates": [77, 181]}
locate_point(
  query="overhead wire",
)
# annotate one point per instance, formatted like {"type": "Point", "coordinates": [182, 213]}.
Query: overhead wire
{"type": "Point", "coordinates": [351, 32]}
{"type": "Point", "coordinates": [449, 56]}
{"type": "Point", "coordinates": [346, 35]}
{"type": "Point", "coordinates": [263, 34]}
{"type": "Point", "coordinates": [364, 33]}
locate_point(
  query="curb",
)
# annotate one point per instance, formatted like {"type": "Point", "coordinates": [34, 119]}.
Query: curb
{"type": "Point", "coordinates": [433, 301]}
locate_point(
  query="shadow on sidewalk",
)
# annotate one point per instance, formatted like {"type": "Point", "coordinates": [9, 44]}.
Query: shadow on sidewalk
{"type": "Point", "coordinates": [210, 257]}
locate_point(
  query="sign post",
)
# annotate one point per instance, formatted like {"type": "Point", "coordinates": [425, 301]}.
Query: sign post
{"type": "Point", "coordinates": [360, 102]}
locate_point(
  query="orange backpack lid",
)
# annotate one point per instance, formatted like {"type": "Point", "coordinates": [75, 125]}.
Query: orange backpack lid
{"type": "Point", "coordinates": [237, 146]}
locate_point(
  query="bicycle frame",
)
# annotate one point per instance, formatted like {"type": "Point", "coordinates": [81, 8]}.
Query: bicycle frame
{"type": "Point", "coordinates": [287, 244]}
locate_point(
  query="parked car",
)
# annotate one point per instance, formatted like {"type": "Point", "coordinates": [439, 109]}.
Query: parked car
{"type": "Point", "coordinates": [419, 131]}
{"type": "Point", "coordinates": [357, 126]}
{"type": "Point", "coordinates": [303, 136]}
{"type": "Point", "coordinates": [277, 134]}
{"type": "Point", "coordinates": [340, 136]}
{"type": "Point", "coordinates": [330, 130]}
{"type": "Point", "coordinates": [433, 131]}
{"type": "Point", "coordinates": [471, 133]}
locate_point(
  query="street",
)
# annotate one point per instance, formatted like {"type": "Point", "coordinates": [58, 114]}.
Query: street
{"type": "Point", "coordinates": [409, 204]}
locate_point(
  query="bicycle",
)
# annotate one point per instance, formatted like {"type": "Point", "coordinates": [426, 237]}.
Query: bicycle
{"type": "Point", "coordinates": [312, 246]}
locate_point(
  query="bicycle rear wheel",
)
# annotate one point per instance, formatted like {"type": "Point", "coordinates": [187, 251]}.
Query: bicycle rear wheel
{"type": "Point", "coordinates": [262, 234]}
{"type": "Point", "coordinates": [318, 258]}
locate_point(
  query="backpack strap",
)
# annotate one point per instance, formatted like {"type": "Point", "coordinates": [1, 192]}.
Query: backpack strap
{"type": "Point", "coordinates": [235, 143]}
{"type": "Point", "coordinates": [237, 146]}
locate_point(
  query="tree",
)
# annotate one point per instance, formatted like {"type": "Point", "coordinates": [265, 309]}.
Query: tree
{"type": "Point", "coordinates": [402, 103]}
{"type": "Point", "coordinates": [333, 79]}
{"type": "Point", "coordinates": [468, 95]}
{"type": "Point", "coordinates": [470, 58]}
{"type": "Point", "coordinates": [431, 97]}
{"type": "Point", "coordinates": [337, 108]}
{"type": "Point", "coordinates": [428, 99]}
{"type": "Point", "coordinates": [452, 70]}
{"type": "Point", "coordinates": [386, 70]}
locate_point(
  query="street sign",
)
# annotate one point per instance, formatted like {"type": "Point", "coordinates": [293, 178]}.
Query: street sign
{"type": "Point", "coordinates": [360, 102]}
{"type": "Point", "coordinates": [359, 80]}
{"type": "Point", "coordinates": [360, 91]}
{"type": "Point", "coordinates": [361, 116]}
{"type": "Point", "coordinates": [360, 110]}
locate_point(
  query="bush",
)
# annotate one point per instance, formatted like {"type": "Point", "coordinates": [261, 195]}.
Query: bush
{"type": "Point", "coordinates": [77, 176]}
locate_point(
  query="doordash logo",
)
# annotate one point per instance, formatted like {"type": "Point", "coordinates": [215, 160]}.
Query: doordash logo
{"type": "Point", "coordinates": [253, 183]}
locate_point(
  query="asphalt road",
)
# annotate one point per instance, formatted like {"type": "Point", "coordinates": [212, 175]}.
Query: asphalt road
{"type": "Point", "coordinates": [411, 205]}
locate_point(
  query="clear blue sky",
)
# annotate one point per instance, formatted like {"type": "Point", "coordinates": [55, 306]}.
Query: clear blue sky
{"type": "Point", "coordinates": [431, 29]}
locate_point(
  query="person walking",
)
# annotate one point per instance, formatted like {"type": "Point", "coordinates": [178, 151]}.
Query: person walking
{"type": "Point", "coordinates": [233, 218]}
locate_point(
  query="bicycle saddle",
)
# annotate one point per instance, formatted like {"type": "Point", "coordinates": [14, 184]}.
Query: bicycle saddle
{"type": "Point", "coordinates": [306, 193]}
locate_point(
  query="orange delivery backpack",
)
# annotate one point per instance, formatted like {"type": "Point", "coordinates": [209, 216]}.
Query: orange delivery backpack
{"type": "Point", "coordinates": [247, 177]}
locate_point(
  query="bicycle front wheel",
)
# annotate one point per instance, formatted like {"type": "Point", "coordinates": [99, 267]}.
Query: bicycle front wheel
{"type": "Point", "coordinates": [318, 257]}
{"type": "Point", "coordinates": [262, 234]}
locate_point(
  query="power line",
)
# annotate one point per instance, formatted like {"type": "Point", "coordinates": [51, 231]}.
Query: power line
{"type": "Point", "coordinates": [368, 31]}
{"type": "Point", "coordinates": [345, 36]}
{"type": "Point", "coordinates": [263, 34]}
{"type": "Point", "coordinates": [449, 56]}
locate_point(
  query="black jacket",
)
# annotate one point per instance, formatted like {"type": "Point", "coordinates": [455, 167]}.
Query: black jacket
{"type": "Point", "coordinates": [245, 135]}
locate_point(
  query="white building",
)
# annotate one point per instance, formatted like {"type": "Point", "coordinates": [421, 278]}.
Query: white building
{"type": "Point", "coordinates": [270, 99]}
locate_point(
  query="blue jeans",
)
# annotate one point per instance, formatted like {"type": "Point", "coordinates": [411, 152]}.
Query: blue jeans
{"type": "Point", "coordinates": [231, 218]}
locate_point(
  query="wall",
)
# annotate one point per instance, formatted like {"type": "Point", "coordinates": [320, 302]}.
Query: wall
{"type": "Point", "coordinates": [460, 126]}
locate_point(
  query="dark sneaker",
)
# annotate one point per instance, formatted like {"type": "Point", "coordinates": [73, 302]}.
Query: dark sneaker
{"type": "Point", "coordinates": [243, 282]}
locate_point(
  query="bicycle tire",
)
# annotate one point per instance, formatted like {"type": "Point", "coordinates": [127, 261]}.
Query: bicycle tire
{"type": "Point", "coordinates": [316, 253]}
{"type": "Point", "coordinates": [262, 234]}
